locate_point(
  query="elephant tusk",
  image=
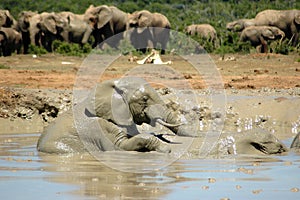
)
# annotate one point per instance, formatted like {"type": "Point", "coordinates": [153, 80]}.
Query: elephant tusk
{"type": "Point", "coordinates": [167, 124]}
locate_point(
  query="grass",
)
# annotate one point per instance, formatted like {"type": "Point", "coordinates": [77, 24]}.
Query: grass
{"type": "Point", "coordinates": [4, 66]}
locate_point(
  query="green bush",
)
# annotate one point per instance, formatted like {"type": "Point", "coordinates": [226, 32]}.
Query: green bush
{"type": "Point", "coordinates": [36, 50]}
{"type": "Point", "coordinates": [4, 66]}
{"type": "Point", "coordinates": [70, 49]}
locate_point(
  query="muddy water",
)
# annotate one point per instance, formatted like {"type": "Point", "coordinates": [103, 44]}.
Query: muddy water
{"type": "Point", "coordinates": [27, 174]}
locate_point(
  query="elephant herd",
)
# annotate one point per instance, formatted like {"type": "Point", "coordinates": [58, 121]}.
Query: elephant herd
{"type": "Point", "coordinates": [102, 22]}
{"type": "Point", "coordinates": [97, 24]}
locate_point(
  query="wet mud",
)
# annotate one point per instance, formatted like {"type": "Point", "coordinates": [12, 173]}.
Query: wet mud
{"type": "Point", "coordinates": [24, 172]}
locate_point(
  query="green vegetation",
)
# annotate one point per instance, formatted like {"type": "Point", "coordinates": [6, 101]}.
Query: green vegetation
{"type": "Point", "coordinates": [180, 13]}
{"type": "Point", "coordinates": [4, 66]}
{"type": "Point", "coordinates": [70, 49]}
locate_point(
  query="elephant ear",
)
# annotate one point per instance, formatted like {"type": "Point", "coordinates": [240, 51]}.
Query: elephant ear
{"type": "Point", "coordinates": [106, 101]}
{"type": "Point", "coordinates": [50, 24]}
{"type": "Point", "coordinates": [104, 16]}
{"type": "Point", "coordinates": [266, 33]}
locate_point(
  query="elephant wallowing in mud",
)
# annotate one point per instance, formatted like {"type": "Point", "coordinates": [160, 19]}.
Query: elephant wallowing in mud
{"type": "Point", "coordinates": [118, 105]}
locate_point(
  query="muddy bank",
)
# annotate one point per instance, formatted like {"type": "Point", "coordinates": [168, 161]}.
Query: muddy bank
{"type": "Point", "coordinates": [275, 110]}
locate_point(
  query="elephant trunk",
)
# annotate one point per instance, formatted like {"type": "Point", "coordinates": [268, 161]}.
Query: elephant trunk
{"type": "Point", "coordinates": [159, 113]}
{"type": "Point", "coordinates": [282, 34]}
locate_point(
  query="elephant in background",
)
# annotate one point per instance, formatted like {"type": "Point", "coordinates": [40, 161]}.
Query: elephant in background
{"type": "Point", "coordinates": [77, 30]}
{"type": "Point", "coordinates": [26, 22]}
{"type": "Point", "coordinates": [41, 29]}
{"type": "Point", "coordinates": [259, 36]}
{"type": "Point", "coordinates": [106, 21]}
{"type": "Point", "coordinates": [286, 20]}
{"type": "Point", "coordinates": [205, 31]}
{"type": "Point", "coordinates": [51, 27]}
{"type": "Point", "coordinates": [150, 28]}
{"type": "Point", "coordinates": [6, 19]}
{"type": "Point", "coordinates": [240, 24]}
{"type": "Point", "coordinates": [119, 106]}
{"type": "Point", "coordinates": [10, 41]}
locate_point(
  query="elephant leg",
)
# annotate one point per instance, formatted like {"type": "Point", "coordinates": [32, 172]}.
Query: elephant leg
{"type": "Point", "coordinates": [296, 142]}
{"type": "Point", "coordinates": [264, 48]}
{"type": "Point", "coordinates": [142, 142]}
{"type": "Point", "coordinates": [139, 142]}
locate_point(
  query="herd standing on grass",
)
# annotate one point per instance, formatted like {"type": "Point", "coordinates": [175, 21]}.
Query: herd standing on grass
{"type": "Point", "coordinates": [99, 23]}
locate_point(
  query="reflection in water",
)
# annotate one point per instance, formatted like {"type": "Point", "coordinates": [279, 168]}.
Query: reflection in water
{"type": "Point", "coordinates": [27, 174]}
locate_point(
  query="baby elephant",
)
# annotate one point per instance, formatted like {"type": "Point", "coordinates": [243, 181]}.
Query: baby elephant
{"type": "Point", "coordinates": [205, 31]}
{"type": "Point", "coordinates": [259, 36]}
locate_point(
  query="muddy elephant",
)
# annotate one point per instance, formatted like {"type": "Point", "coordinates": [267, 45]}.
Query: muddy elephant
{"type": "Point", "coordinates": [151, 27]}
{"type": "Point", "coordinates": [260, 35]}
{"type": "Point", "coordinates": [118, 106]}
{"type": "Point", "coordinates": [10, 41]}
{"type": "Point", "coordinates": [106, 21]}
{"type": "Point", "coordinates": [240, 24]}
{"type": "Point", "coordinates": [286, 20]}
{"type": "Point", "coordinates": [77, 30]}
{"type": "Point", "coordinates": [6, 19]}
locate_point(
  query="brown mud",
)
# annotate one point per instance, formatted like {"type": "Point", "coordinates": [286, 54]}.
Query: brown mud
{"type": "Point", "coordinates": [262, 90]}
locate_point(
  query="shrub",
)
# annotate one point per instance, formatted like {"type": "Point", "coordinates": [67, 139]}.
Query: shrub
{"type": "Point", "coordinates": [36, 50]}
{"type": "Point", "coordinates": [70, 49]}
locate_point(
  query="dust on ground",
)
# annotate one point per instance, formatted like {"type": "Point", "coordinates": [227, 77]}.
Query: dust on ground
{"type": "Point", "coordinates": [240, 71]}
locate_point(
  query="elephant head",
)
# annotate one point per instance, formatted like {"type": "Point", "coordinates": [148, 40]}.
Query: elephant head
{"type": "Point", "coordinates": [127, 101]}
{"type": "Point", "coordinates": [6, 19]}
{"type": "Point", "coordinates": [272, 33]}
{"type": "Point", "coordinates": [51, 23]}
{"type": "Point", "coordinates": [240, 24]}
{"type": "Point", "coordinates": [24, 20]}
{"type": "Point", "coordinates": [140, 19]}
{"type": "Point", "coordinates": [98, 16]}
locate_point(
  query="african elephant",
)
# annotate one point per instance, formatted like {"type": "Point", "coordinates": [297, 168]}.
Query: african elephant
{"type": "Point", "coordinates": [26, 22]}
{"type": "Point", "coordinates": [205, 31]}
{"type": "Point", "coordinates": [77, 30]}
{"type": "Point", "coordinates": [286, 20]}
{"type": "Point", "coordinates": [6, 19]}
{"type": "Point", "coordinates": [106, 21]}
{"type": "Point", "coordinates": [152, 27]}
{"type": "Point", "coordinates": [240, 24]}
{"type": "Point", "coordinates": [259, 36]}
{"type": "Point", "coordinates": [10, 41]}
{"type": "Point", "coordinates": [52, 27]}
{"type": "Point", "coordinates": [117, 105]}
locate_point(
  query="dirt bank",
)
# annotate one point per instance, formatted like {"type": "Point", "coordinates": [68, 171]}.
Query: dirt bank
{"type": "Point", "coordinates": [34, 90]}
